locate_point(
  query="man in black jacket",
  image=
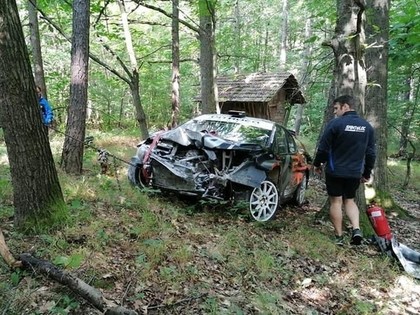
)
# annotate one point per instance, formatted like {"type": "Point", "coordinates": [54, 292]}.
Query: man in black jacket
{"type": "Point", "coordinates": [347, 149]}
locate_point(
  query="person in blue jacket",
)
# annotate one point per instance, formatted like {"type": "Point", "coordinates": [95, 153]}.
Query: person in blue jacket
{"type": "Point", "coordinates": [347, 151]}
{"type": "Point", "coordinates": [46, 110]}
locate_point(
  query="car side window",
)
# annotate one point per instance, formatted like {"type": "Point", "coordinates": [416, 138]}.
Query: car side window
{"type": "Point", "coordinates": [291, 143]}
{"type": "Point", "coordinates": [280, 144]}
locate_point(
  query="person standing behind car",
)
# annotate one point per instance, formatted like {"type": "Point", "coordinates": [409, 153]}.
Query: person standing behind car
{"type": "Point", "coordinates": [347, 148]}
{"type": "Point", "coordinates": [46, 110]}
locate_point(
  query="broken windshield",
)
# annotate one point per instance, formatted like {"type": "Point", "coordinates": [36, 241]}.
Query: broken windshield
{"type": "Point", "coordinates": [233, 131]}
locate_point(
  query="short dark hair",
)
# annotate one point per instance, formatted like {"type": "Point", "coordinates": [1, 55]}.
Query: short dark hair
{"type": "Point", "coordinates": [345, 99]}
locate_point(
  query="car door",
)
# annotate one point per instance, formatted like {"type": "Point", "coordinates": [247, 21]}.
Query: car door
{"type": "Point", "coordinates": [281, 175]}
{"type": "Point", "coordinates": [295, 172]}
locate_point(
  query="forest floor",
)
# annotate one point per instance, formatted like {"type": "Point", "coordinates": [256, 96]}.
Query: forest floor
{"type": "Point", "coordinates": [158, 255]}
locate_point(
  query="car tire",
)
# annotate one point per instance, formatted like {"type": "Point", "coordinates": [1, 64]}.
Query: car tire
{"type": "Point", "coordinates": [264, 201]}
{"type": "Point", "coordinates": [135, 176]}
{"type": "Point", "coordinates": [299, 195]}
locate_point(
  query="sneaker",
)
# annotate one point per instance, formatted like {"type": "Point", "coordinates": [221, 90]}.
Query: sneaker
{"type": "Point", "coordinates": [339, 240]}
{"type": "Point", "coordinates": [356, 238]}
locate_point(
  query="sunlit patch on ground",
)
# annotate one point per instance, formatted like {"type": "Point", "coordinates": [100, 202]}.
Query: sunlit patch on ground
{"type": "Point", "coordinates": [404, 294]}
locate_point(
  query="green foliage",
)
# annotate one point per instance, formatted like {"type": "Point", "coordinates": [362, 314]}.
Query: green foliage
{"type": "Point", "coordinates": [72, 261]}
{"type": "Point", "coordinates": [166, 243]}
{"type": "Point", "coordinates": [15, 277]}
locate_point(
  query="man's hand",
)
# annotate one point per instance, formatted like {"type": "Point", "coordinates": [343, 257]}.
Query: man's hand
{"type": "Point", "coordinates": [365, 180]}
{"type": "Point", "coordinates": [317, 169]}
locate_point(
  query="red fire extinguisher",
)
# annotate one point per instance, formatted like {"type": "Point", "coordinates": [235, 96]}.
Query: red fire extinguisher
{"type": "Point", "coordinates": [379, 222]}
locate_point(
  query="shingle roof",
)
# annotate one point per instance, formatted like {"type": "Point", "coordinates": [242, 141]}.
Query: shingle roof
{"type": "Point", "coordinates": [258, 87]}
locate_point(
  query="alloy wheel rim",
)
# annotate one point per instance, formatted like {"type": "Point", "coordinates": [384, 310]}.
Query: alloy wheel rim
{"type": "Point", "coordinates": [264, 201]}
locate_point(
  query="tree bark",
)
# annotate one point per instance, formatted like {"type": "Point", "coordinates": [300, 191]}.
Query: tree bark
{"type": "Point", "coordinates": [377, 30]}
{"type": "Point", "coordinates": [283, 35]}
{"type": "Point", "coordinates": [350, 71]}
{"type": "Point", "coordinates": [135, 94]}
{"type": "Point", "coordinates": [175, 64]}
{"type": "Point", "coordinates": [209, 93]}
{"type": "Point", "coordinates": [305, 72]}
{"type": "Point", "coordinates": [238, 37]}
{"type": "Point", "coordinates": [36, 190]}
{"type": "Point", "coordinates": [408, 111]}
{"type": "Point", "coordinates": [72, 156]}
{"type": "Point", "coordinates": [37, 63]}
{"type": "Point", "coordinates": [133, 73]}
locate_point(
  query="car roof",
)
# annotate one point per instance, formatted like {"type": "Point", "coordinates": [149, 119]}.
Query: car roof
{"type": "Point", "coordinates": [243, 120]}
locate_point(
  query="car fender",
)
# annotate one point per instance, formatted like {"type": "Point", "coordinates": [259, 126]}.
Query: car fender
{"type": "Point", "coordinates": [131, 174]}
{"type": "Point", "coordinates": [248, 175]}
{"type": "Point", "coordinates": [135, 160]}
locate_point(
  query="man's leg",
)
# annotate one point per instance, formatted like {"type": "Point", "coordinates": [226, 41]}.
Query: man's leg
{"type": "Point", "coordinates": [352, 212]}
{"type": "Point", "coordinates": [336, 215]}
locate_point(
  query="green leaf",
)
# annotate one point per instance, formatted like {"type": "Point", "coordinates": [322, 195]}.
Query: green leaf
{"type": "Point", "coordinates": [61, 260]}
{"type": "Point", "coordinates": [15, 278]}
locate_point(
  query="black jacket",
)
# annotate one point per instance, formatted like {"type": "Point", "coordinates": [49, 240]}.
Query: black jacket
{"type": "Point", "coordinates": [347, 147]}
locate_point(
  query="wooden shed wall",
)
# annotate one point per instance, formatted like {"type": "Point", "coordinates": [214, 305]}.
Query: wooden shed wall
{"type": "Point", "coordinates": [277, 106]}
{"type": "Point", "coordinates": [253, 109]}
{"type": "Point", "coordinates": [273, 110]}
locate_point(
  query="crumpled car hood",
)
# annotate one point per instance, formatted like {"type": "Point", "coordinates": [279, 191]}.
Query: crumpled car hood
{"type": "Point", "coordinates": [186, 137]}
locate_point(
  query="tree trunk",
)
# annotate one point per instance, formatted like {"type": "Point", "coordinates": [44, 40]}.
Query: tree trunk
{"type": "Point", "coordinates": [36, 190]}
{"type": "Point", "coordinates": [305, 73]}
{"type": "Point", "coordinates": [409, 109]}
{"type": "Point", "coordinates": [140, 115]}
{"type": "Point", "coordinates": [37, 62]}
{"type": "Point", "coordinates": [175, 64]}
{"type": "Point", "coordinates": [350, 71]}
{"type": "Point", "coordinates": [72, 156]}
{"type": "Point", "coordinates": [133, 74]}
{"type": "Point", "coordinates": [283, 35]}
{"type": "Point", "coordinates": [238, 37]}
{"type": "Point", "coordinates": [347, 46]}
{"type": "Point", "coordinates": [209, 102]}
{"type": "Point", "coordinates": [377, 30]}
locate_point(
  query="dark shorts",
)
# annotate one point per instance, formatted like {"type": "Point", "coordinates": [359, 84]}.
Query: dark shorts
{"type": "Point", "coordinates": [338, 186]}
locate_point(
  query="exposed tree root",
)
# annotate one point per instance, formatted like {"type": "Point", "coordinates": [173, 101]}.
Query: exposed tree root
{"type": "Point", "coordinates": [5, 253]}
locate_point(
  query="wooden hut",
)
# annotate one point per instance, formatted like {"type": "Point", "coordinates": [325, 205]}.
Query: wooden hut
{"type": "Point", "coordinates": [263, 95]}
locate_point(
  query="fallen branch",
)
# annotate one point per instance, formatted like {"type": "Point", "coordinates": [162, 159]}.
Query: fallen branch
{"type": "Point", "coordinates": [89, 293]}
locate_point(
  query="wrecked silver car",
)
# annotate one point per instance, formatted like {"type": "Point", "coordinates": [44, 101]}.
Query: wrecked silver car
{"type": "Point", "coordinates": [225, 157]}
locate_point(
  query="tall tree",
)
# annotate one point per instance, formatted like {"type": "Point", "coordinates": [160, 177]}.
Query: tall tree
{"type": "Point", "coordinates": [377, 31]}
{"type": "Point", "coordinates": [130, 77]}
{"type": "Point", "coordinates": [134, 75]}
{"type": "Point", "coordinates": [238, 39]}
{"type": "Point", "coordinates": [304, 73]}
{"type": "Point", "coordinates": [38, 64]}
{"type": "Point", "coordinates": [208, 69]}
{"type": "Point", "coordinates": [206, 35]}
{"type": "Point", "coordinates": [175, 64]}
{"type": "Point", "coordinates": [38, 198]}
{"type": "Point", "coordinates": [72, 155]}
{"type": "Point", "coordinates": [349, 75]}
{"type": "Point", "coordinates": [283, 35]}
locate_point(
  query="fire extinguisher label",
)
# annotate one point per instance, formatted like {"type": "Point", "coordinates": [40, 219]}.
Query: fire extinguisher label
{"type": "Point", "coordinates": [375, 214]}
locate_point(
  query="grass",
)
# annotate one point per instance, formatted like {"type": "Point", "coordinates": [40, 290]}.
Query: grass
{"type": "Point", "coordinates": [172, 257]}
